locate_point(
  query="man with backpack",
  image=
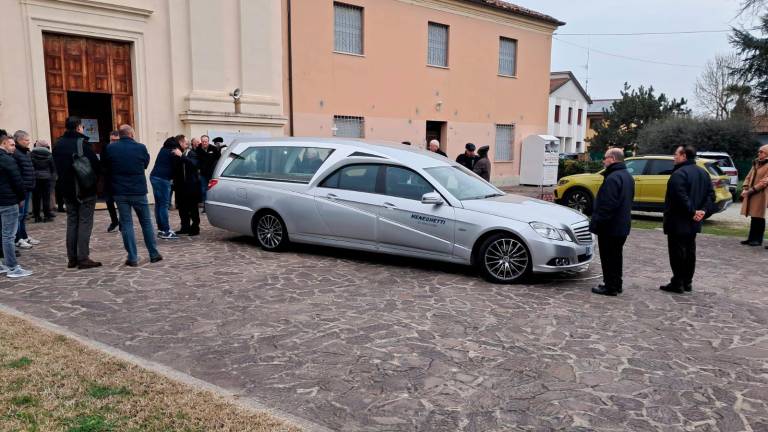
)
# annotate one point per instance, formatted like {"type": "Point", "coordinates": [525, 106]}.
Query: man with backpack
{"type": "Point", "coordinates": [78, 169]}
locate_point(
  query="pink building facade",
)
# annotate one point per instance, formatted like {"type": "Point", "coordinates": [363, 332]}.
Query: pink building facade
{"type": "Point", "coordinates": [410, 70]}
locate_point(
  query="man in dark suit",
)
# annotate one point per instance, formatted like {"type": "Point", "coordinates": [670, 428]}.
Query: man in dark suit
{"type": "Point", "coordinates": [80, 203]}
{"type": "Point", "coordinates": [689, 200]}
{"type": "Point", "coordinates": [612, 220]}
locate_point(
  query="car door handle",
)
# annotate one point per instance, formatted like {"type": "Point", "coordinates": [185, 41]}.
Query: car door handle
{"type": "Point", "coordinates": [331, 196]}
{"type": "Point", "coordinates": [389, 205]}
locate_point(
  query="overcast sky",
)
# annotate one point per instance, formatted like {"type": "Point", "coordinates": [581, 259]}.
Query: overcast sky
{"type": "Point", "coordinates": [606, 73]}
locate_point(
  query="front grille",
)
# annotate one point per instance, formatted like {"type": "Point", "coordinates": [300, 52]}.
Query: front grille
{"type": "Point", "coordinates": [583, 236]}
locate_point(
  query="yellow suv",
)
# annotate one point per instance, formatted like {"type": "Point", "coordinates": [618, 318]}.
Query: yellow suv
{"type": "Point", "coordinates": [651, 174]}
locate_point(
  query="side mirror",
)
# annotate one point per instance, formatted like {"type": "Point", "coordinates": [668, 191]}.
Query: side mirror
{"type": "Point", "coordinates": [433, 198]}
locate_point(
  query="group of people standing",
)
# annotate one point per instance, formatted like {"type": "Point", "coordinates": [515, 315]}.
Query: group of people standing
{"type": "Point", "coordinates": [475, 162]}
{"type": "Point", "coordinates": [181, 167]}
{"type": "Point", "coordinates": [690, 198]}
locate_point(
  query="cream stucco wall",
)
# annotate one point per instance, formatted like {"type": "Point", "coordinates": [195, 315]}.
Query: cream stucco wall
{"type": "Point", "coordinates": [187, 55]}
{"type": "Point", "coordinates": [568, 96]}
{"type": "Point", "coordinates": [394, 89]}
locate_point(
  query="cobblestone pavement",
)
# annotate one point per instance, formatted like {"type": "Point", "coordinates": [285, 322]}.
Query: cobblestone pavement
{"type": "Point", "coordinates": [363, 342]}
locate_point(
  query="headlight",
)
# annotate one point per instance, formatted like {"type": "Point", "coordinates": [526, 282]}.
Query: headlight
{"type": "Point", "coordinates": [562, 182]}
{"type": "Point", "coordinates": [546, 230]}
{"type": "Point", "coordinates": [566, 236]}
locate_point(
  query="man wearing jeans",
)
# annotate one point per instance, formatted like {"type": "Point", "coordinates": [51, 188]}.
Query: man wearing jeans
{"type": "Point", "coordinates": [27, 169]}
{"type": "Point", "coordinates": [160, 177]}
{"type": "Point", "coordinates": [12, 191]}
{"type": "Point", "coordinates": [124, 163]}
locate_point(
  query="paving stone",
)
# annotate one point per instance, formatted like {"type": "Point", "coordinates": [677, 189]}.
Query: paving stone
{"type": "Point", "coordinates": [362, 342]}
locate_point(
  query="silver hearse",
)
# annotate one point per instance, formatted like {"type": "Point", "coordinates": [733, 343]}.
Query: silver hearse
{"type": "Point", "coordinates": [393, 199]}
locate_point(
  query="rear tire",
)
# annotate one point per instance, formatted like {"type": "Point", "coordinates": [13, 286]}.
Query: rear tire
{"type": "Point", "coordinates": [504, 259]}
{"type": "Point", "coordinates": [580, 200]}
{"type": "Point", "coordinates": [270, 232]}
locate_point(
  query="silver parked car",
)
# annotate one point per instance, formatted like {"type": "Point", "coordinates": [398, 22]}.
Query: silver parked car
{"type": "Point", "coordinates": [393, 199]}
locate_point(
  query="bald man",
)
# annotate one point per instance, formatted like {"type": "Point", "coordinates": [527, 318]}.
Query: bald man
{"type": "Point", "coordinates": [124, 163]}
{"type": "Point", "coordinates": [434, 147]}
{"type": "Point", "coordinates": [612, 219]}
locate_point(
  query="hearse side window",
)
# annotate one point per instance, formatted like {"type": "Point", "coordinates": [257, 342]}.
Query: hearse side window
{"type": "Point", "coordinates": [361, 178]}
{"type": "Point", "coordinates": [294, 164]}
{"type": "Point", "coordinates": [404, 183]}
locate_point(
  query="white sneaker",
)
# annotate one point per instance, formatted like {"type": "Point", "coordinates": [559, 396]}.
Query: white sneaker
{"type": "Point", "coordinates": [18, 272]}
{"type": "Point", "coordinates": [3, 269]}
{"type": "Point", "coordinates": [32, 241]}
{"type": "Point", "coordinates": [23, 244]}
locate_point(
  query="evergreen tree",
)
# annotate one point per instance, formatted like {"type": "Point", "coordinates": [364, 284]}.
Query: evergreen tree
{"type": "Point", "coordinates": [629, 115]}
{"type": "Point", "coordinates": [754, 68]}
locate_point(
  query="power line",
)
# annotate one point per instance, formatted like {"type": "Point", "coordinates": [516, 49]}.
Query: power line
{"type": "Point", "coordinates": [627, 57]}
{"type": "Point", "coordinates": [651, 33]}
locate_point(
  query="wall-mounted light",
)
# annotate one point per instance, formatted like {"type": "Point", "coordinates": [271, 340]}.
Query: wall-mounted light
{"type": "Point", "coordinates": [439, 105]}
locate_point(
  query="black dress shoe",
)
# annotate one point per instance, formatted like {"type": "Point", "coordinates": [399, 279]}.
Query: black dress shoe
{"type": "Point", "coordinates": [130, 263]}
{"type": "Point", "coordinates": [183, 231]}
{"type": "Point", "coordinates": [156, 259]}
{"type": "Point", "coordinates": [112, 227]}
{"type": "Point", "coordinates": [606, 291]}
{"type": "Point", "coordinates": [688, 287]}
{"type": "Point", "coordinates": [618, 290]}
{"type": "Point", "coordinates": [677, 289]}
{"type": "Point", "coordinates": [754, 243]}
{"type": "Point", "coordinates": [72, 264]}
{"type": "Point", "coordinates": [745, 242]}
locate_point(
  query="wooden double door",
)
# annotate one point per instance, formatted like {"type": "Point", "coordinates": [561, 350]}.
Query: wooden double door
{"type": "Point", "coordinates": [79, 69]}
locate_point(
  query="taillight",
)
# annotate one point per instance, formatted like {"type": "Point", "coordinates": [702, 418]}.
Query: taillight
{"type": "Point", "coordinates": [212, 183]}
{"type": "Point", "coordinates": [715, 183]}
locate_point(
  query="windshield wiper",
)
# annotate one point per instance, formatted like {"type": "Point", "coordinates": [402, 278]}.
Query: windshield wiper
{"type": "Point", "coordinates": [495, 194]}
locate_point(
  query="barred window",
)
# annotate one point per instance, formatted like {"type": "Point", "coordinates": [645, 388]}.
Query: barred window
{"type": "Point", "coordinates": [348, 126]}
{"type": "Point", "coordinates": [437, 46]}
{"type": "Point", "coordinates": [507, 56]}
{"type": "Point", "coordinates": [348, 28]}
{"type": "Point", "coordinates": [505, 138]}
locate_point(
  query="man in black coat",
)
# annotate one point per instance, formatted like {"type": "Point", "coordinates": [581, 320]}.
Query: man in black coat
{"type": "Point", "coordinates": [612, 220]}
{"type": "Point", "coordinates": [207, 155]}
{"type": "Point", "coordinates": [12, 192]}
{"type": "Point", "coordinates": [186, 183]}
{"type": "Point", "coordinates": [468, 158]}
{"type": "Point", "coordinates": [689, 200]}
{"type": "Point", "coordinates": [80, 206]}
{"type": "Point", "coordinates": [45, 172]}
{"type": "Point", "coordinates": [27, 169]}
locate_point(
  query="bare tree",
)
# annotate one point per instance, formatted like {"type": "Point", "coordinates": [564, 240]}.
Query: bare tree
{"type": "Point", "coordinates": [753, 6]}
{"type": "Point", "coordinates": [713, 89]}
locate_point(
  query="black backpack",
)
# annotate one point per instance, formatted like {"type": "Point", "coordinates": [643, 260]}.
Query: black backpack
{"type": "Point", "coordinates": [85, 177]}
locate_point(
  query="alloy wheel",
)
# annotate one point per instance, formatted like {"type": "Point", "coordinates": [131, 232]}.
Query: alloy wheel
{"type": "Point", "coordinates": [269, 230]}
{"type": "Point", "coordinates": [506, 259]}
{"type": "Point", "coordinates": [578, 201]}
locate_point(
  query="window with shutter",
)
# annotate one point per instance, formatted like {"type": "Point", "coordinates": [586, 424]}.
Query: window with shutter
{"type": "Point", "coordinates": [437, 46]}
{"type": "Point", "coordinates": [348, 28]}
{"type": "Point", "coordinates": [505, 137]}
{"type": "Point", "coordinates": [348, 126]}
{"type": "Point", "coordinates": [507, 57]}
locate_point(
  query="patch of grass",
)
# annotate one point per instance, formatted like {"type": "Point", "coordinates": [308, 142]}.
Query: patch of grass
{"type": "Point", "coordinates": [102, 392]}
{"type": "Point", "coordinates": [714, 228]}
{"type": "Point", "coordinates": [20, 363]}
{"type": "Point", "coordinates": [23, 400]}
{"type": "Point", "coordinates": [52, 383]}
{"type": "Point", "coordinates": [90, 423]}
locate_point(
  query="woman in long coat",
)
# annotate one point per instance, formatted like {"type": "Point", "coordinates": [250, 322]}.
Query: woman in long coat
{"type": "Point", "coordinates": [755, 197]}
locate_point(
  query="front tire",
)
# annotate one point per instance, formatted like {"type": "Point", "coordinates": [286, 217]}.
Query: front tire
{"type": "Point", "coordinates": [504, 259]}
{"type": "Point", "coordinates": [580, 200]}
{"type": "Point", "coordinates": [270, 232]}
